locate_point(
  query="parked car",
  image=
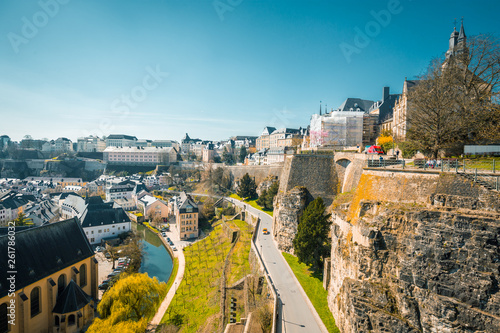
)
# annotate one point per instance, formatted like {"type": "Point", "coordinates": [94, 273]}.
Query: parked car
{"type": "Point", "coordinates": [164, 234]}
{"type": "Point", "coordinates": [113, 274]}
{"type": "Point", "coordinates": [174, 248]}
{"type": "Point", "coordinates": [104, 285]}
{"type": "Point", "coordinates": [374, 150]}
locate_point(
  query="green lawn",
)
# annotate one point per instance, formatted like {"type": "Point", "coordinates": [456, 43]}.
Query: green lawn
{"type": "Point", "coordinates": [252, 203]}
{"type": "Point", "coordinates": [314, 290]}
{"type": "Point", "coordinates": [239, 264]}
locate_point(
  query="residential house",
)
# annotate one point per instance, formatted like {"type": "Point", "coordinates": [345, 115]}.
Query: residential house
{"type": "Point", "coordinates": [102, 221]}
{"type": "Point", "coordinates": [55, 280]}
{"type": "Point", "coordinates": [90, 144]}
{"type": "Point", "coordinates": [186, 216]}
{"type": "Point", "coordinates": [262, 142]}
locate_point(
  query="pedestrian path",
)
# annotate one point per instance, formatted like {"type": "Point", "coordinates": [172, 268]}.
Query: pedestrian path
{"type": "Point", "coordinates": [179, 254]}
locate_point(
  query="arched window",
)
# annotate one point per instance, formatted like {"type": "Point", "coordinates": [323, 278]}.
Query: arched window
{"type": "Point", "coordinates": [83, 275]}
{"type": "Point", "coordinates": [61, 284]}
{"type": "Point", "coordinates": [71, 320]}
{"type": "Point", "coordinates": [56, 321]}
{"type": "Point", "coordinates": [4, 321]}
{"type": "Point", "coordinates": [35, 301]}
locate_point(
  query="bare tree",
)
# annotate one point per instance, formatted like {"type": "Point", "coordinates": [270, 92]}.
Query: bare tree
{"type": "Point", "coordinates": [456, 100]}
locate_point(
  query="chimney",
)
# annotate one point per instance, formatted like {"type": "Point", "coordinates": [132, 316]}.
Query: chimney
{"type": "Point", "coordinates": [385, 94]}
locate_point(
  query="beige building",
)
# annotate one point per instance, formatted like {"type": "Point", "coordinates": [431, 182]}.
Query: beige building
{"type": "Point", "coordinates": [399, 119]}
{"type": "Point", "coordinates": [53, 280]}
{"type": "Point", "coordinates": [186, 217]}
{"type": "Point", "coordinates": [262, 141]}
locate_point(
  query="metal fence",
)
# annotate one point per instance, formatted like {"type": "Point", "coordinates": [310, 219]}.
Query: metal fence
{"type": "Point", "coordinates": [484, 172]}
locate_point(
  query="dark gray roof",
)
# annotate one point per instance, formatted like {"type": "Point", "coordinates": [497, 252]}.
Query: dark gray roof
{"type": "Point", "coordinates": [44, 250]}
{"type": "Point", "coordinates": [268, 130]}
{"type": "Point", "coordinates": [121, 136]}
{"type": "Point", "coordinates": [103, 213]}
{"type": "Point", "coordinates": [72, 299]}
{"type": "Point", "coordinates": [355, 103]}
{"type": "Point", "coordinates": [186, 202]}
{"type": "Point", "coordinates": [14, 200]}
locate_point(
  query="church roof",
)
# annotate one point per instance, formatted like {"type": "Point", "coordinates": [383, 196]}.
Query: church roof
{"type": "Point", "coordinates": [43, 251]}
{"type": "Point", "coordinates": [72, 299]}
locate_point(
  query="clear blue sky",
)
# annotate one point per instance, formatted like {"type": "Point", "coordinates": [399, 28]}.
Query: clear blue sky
{"type": "Point", "coordinates": [224, 68]}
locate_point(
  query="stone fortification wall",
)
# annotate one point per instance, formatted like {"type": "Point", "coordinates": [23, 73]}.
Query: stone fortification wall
{"type": "Point", "coordinates": [416, 253]}
{"type": "Point", "coordinates": [259, 172]}
{"type": "Point", "coordinates": [316, 173]}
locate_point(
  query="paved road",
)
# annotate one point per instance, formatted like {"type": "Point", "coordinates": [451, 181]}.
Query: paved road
{"type": "Point", "coordinates": [296, 316]}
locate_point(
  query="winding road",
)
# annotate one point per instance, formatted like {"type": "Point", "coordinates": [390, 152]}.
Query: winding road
{"type": "Point", "coordinates": [297, 314]}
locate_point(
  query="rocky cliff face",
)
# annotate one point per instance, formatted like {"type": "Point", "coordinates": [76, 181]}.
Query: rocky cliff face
{"type": "Point", "coordinates": [416, 253]}
{"type": "Point", "coordinates": [287, 210]}
{"type": "Point", "coordinates": [266, 184]}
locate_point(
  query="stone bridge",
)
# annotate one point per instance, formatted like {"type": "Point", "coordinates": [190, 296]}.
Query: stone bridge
{"type": "Point", "coordinates": [349, 167]}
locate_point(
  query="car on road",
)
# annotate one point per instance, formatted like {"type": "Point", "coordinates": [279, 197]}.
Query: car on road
{"type": "Point", "coordinates": [174, 248]}
{"type": "Point", "coordinates": [374, 150]}
{"type": "Point", "coordinates": [265, 231]}
{"type": "Point", "coordinates": [164, 234]}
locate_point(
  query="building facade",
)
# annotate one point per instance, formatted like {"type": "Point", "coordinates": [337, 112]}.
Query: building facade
{"type": "Point", "coordinates": [55, 283]}
{"type": "Point", "coordinates": [121, 140]}
{"type": "Point", "coordinates": [186, 217]}
{"type": "Point", "coordinates": [90, 144]}
{"type": "Point", "coordinates": [140, 156]}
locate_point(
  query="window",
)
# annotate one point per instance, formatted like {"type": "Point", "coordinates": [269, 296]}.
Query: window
{"type": "Point", "coordinates": [71, 320]}
{"type": "Point", "coordinates": [83, 275]}
{"type": "Point", "coordinates": [56, 321]}
{"type": "Point", "coordinates": [4, 323]}
{"type": "Point", "coordinates": [35, 301]}
{"type": "Point", "coordinates": [61, 284]}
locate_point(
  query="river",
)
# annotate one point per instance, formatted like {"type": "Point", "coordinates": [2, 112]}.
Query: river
{"type": "Point", "coordinates": [157, 261]}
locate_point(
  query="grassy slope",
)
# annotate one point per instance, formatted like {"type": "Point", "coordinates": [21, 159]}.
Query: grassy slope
{"type": "Point", "coordinates": [252, 203]}
{"type": "Point", "coordinates": [197, 297]}
{"type": "Point", "coordinates": [314, 290]}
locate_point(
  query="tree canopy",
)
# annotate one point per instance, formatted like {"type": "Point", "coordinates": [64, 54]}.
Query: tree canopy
{"type": "Point", "coordinates": [128, 305]}
{"type": "Point", "coordinates": [311, 244]}
{"type": "Point", "coordinates": [247, 187]}
{"type": "Point", "coordinates": [266, 197]}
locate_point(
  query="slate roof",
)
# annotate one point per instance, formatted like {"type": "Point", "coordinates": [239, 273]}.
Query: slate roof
{"type": "Point", "coordinates": [355, 103]}
{"type": "Point", "coordinates": [186, 201]}
{"type": "Point", "coordinates": [268, 130]}
{"type": "Point", "coordinates": [43, 251]}
{"type": "Point", "coordinates": [72, 299]}
{"type": "Point", "coordinates": [104, 213]}
{"type": "Point", "coordinates": [14, 200]}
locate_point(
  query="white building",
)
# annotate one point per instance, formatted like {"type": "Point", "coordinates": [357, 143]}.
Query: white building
{"type": "Point", "coordinates": [337, 128]}
{"type": "Point", "coordinates": [103, 220]}
{"type": "Point", "coordinates": [90, 144]}
{"type": "Point", "coordinates": [72, 206]}
{"type": "Point", "coordinates": [143, 156]}
{"type": "Point", "coordinates": [59, 145]}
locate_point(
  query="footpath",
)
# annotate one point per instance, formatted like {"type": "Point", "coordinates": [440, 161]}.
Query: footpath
{"type": "Point", "coordinates": [179, 254]}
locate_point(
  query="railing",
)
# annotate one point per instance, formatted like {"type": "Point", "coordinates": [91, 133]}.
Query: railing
{"type": "Point", "coordinates": [484, 172]}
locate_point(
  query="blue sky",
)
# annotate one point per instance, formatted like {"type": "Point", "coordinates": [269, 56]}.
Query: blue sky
{"type": "Point", "coordinates": [157, 69]}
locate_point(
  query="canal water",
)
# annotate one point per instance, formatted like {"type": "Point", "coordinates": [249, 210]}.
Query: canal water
{"type": "Point", "coordinates": [157, 261]}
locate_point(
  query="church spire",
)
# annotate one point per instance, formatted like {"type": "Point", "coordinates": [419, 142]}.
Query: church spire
{"type": "Point", "coordinates": [320, 108]}
{"type": "Point", "coordinates": [461, 35]}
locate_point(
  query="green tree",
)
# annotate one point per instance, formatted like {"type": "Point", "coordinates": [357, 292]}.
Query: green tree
{"type": "Point", "coordinates": [311, 244]}
{"type": "Point", "coordinates": [227, 157]}
{"type": "Point", "coordinates": [247, 187]}
{"type": "Point", "coordinates": [243, 154]}
{"type": "Point", "coordinates": [261, 201]}
{"type": "Point", "coordinates": [271, 193]}
{"type": "Point", "coordinates": [22, 220]}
